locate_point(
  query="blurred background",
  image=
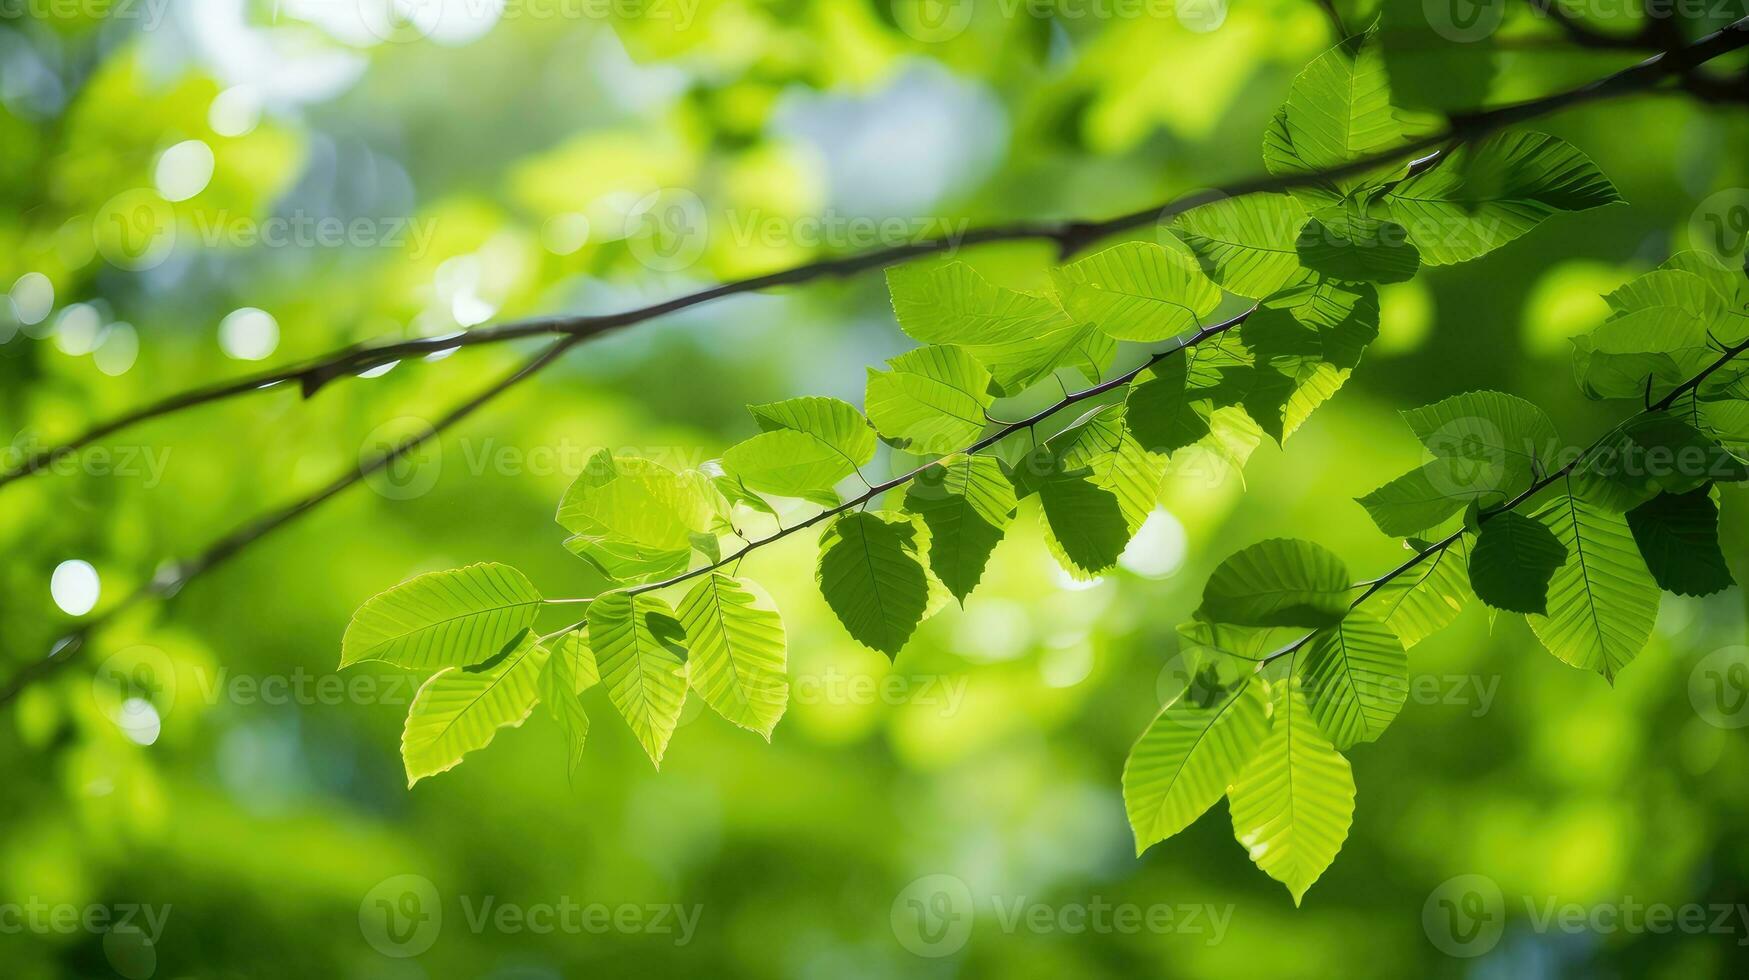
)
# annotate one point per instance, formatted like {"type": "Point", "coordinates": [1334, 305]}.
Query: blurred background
{"type": "Point", "coordinates": [203, 189]}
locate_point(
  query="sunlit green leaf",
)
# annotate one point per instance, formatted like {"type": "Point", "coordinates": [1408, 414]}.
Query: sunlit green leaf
{"type": "Point", "coordinates": [634, 519]}
{"type": "Point", "coordinates": [1278, 582]}
{"type": "Point", "coordinates": [738, 653]}
{"type": "Point", "coordinates": [1602, 600]}
{"type": "Point", "coordinates": [458, 710]}
{"type": "Point", "coordinates": [640, 649]}
{"type": "Point", "coordinates": [443, 619]}
{"type": "Point", "coordinates": [1355, 677]}
{"type": "Point", "coordinates": [1138, 291]}
{"type": "Point", "coordinates": [967, 502]}
{"type": "Point", "coordinates": [1189, 754]}
{"type": "Point", "coordinates": [1249, 245]}
{"type": "Point", "coordinates": [932, 401]}
{"type": "Point", "coordinates": [871, 573]}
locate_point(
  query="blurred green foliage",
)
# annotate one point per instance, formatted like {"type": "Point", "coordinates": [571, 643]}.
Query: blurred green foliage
{"type": "Point", "coordinates": [208, 760]}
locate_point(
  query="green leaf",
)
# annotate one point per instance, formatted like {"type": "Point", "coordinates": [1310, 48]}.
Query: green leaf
{"type": "Point", "coordinates": [1097, 485]}
{"type": "Point", "coordinates": [1425, 599]}
{"type": "Point", "coordinates": [640, 649]}
{"type": "Point", "coordinates": [1278, 582]}
{"type": "Point", "coordinates": [738, 651]}
{"type": "Point", "coordinates": [634, 519]}
{"type": "Point", "coordinates": [1657, 452]}
{"type": "Point", "coordinates": [1158, 408]}
{"type": "Point", "coordinates": [1338, 111]}
{"type": "Point", "coordinates": [932, 401]}
{"type": "Point", "coordinates": [1137, 291]}
{"type": "Point", "coordinates": [1512, 562]}
{"type": "Point", "coordinates": [1021, 338]}
{"type": "Point", "coordinates": [1293, 804]}
{"type": "Point", "coordinates": [1249, 245]}
{"type": "Point", "coordinates": [1304, 343]}
{"type": "Point", "coordinates": [834, 422]}
{"type": "Point", "coordinates": [1191, 751]}
{"type": "Point", "coordinates": [1482, 195]}
{"type": "Point", "coordinates": [872, 575]}
{"type": "Point", "coordinates": [1355, 677]}
{"type": "Point", "coordinates": [443, 619]}
{"type": "Point", "coordinates": [966, 502]}
{"type": "Point", "coordinates": [1678, 535]}
{"type": "Point", "coordinates": [1663, 288]}
{"type": "Point", "coordinates": [458, 711]}
{"type": "Point", "coordinates": [569, 671]}
{"type": "Point", "coordinates": [1365, 250]}
{"type": "Point", "coordinates": [1731, 284]}
{"type": "Point", "coordinates": [1602, 600]}
{"type": "Point", "coordinates": [1486, 446]}
{"type": "Point", "coordinates": [788, 463]}
{"type": "Point", "coordinates": [1648, 352]}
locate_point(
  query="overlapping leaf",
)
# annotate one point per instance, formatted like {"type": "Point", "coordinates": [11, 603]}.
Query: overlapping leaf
{"type": "Point", "coordinates": [966, 501]}
{"type": "Point", "coordinates": [1188, 755]}
{"type": "Point", "coordinates": [641, 653]}
{"type": "Point", "coordinates": [871, 573]}
{"type": "Point", "coordinates": [738, 653]}
{"type": "Point", "coordinates": [443, 619]}
{"type": "Point", "coordinates": [1602, 601]}
{"type": "Point", "coordinates": [459, 710]}
{"type": "Point", "coordinates": [1137, 291]}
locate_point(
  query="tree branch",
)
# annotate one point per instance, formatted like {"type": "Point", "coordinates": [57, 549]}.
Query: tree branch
{"type": "Point", "coordinates": [1438, 547]}
{"type": "Point", "coordinates": [1069, 236]}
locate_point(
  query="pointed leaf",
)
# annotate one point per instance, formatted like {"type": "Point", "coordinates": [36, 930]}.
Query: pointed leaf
{"type": "Point", "coordinates": [443, 619]}
{"type": "Point", "coordinates": [640, 649]}
{"type": "Point", "coordinates": [1293, 804]}
{"type": "Point", "coordinates": [1602, 600]}
{"type": "Point", "coordinates": [569, 670]}
{"type": "Point", "coordinates": [1425, 599]}
{"type": "Point", "coordinates": [967, 502]}
{"type": "Point", "coordinates": [1355, 677]}
{"type": "Point", "coordinates": [932, 401]}
{"type": "Point", "coordinates": [1185, 760]}
{"type": "Point", "coordinates": [738, 651]}
{"type": "Point", "coordinates": [1249, 245]}
{"type": "Point", "coordinates": [634, 519]}
{"type": "Point", "coordinates": [1512, 562]}
{"type": "Point", "coordinates": [1678, 535]}
{"type": "Point", "coordinates": [872, 576]}
{"type": "Point", "coordinates": [458, 711]}
{"type": "Point", "coordinates": [1137, 291]}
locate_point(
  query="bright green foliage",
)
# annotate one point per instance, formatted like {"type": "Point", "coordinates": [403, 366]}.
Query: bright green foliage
{"type": "Point", "coordinates": [1187, 757]}
{"type": "Point", "coordinates": [1678, 535]}
{"type": "Point", "coordinates": [443, 619]}
{"type": "Point", "coordinates": [1359, 249]}
{"type": "Point", "coordinates": [808, 445]}
{"type": "Point", "coordinates": [738, 651]}
{"type": "Point", "coordinates": [932, 401]}
{"type": "Point", "coordinates": [1512, 562]}
{"type": "Point", "coordinates": [1657, 451]}
{"type": "Point", "coordinates": [1160, 411]}
{"type": "Point", "coordinates": [1138, 291]}
{"type": "Point", "coordinates": [636, 520]}
{"type": "Point", "coordinates": [640, 649]}
{"type": "Point", "coordinates": [871, 573]}
{"type": "Point", "coordinates": [1355, 678]}
{"type": "Point", "coordinates": [1304, 342]}
{"type": "Point", "coordinates": [1019, 337]}
{"type": "Point", "coordinates": [1338, 111]}
{"type": "Point", "coordinates": [459, 709]}
{"type": "Point", "coordinates": [1602, 600]}
{"type": "Point", "coordinates": [1425, 599]}
{"type": "Point", "coordinates": [1486, 447]}
{"type": "Point", "coordinates": [569, 670]}
{"type": "Point", "coordinates": [1096, 485]}
{"type": "Point", "coordinates": [1249, 245]}
{"type": "Point", "coordinates": [966, 501]}
{"type": "Point", "coordinates": [1482, 195]}
{"type": "Point", "coordinates": [1293, 804]}
{"type": "Point", "coordinates": [1279, 582]}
